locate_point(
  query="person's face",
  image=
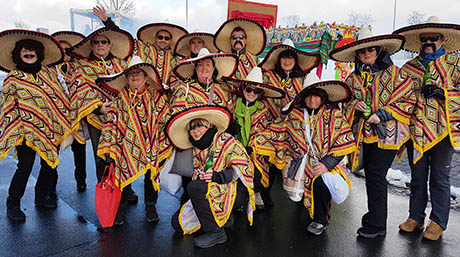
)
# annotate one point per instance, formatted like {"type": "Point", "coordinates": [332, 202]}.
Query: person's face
{"type": "Point", "coordinates": [28, 56]}
{"type": "Point", "coordinates": [100, 46]}
{"type": "Point", "coordinates": [66, 46]}
{"type": "Point", "coordinates": [313, 101]}
{"type": "Point", "coordinates": [198, 132]}
{"type": "Point", "coordinates": [163, 40]}
{"type": "Point", "coordinates": [205, 68]}
{"type": "Point", "coordinates": [367, 55]}
{"type": "Point", "coordinates": [287, 63]}
{"type": "Point", "coordinates": [431, 42]}
{"type": "Point", "coordinates": [238, 40]}
{"type": "Point", "coordinates": [136, 78]}
{"type": "Point", "coordinates": [251, 93]}
{"type": "Point", "coordinates": [196, 44]}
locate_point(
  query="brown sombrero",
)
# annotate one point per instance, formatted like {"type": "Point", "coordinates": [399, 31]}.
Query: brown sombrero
{"type": "Point", "coordinates": [53, 53]}
{"type": "Point", "coordinates": [390, 43]}
{"type": "Point", "coordinates": [177, 125]}
{"type": "Point", "coordinates": [225, 64]}
{"type": "Point", "coordinates": [450, 32]}
{"type": "Point", "coordinates": [122, 43]}
{"type": "Point", "coordinates": [70, 37]}
{"type": "Point", "coordinates": [255, 79]}
{"type": "Point", "coordinates": [254, 31]}
{"type": "Point", "coordinates": [183, 44]}
{"type": "Point", "coordinates": [306, 61]}
{"type": "Point", "coordinates": [148, 32]}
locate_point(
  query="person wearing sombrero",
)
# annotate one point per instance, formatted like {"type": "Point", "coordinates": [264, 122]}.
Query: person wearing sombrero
{"type": "Point", "coordinates": [223, 173]}
{"type": "Point", "coordinates": [131, 136]}
{"type": "Point", "coordinates": [189, 46]}
{"type": "Point", "coordinates": [379, 112]}
{"type": "Point", "coordinates": [252, 115]}
{"type": "Point", "coordinates": [34, 115]}
{"type": "Point", "coordinates": [315, 139]}
{"type": "Point", "coordinates": [285, 67]}
{"type": "Point", "coordinates": [65, 70]}
{"type": "Point", "coordinates": [243, 37]}
{"type": "Point", "coordinates": [434, 123]}
{"type": "Point", "coordinates": [155, 43]}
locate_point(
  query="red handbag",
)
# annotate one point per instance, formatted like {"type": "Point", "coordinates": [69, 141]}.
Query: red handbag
{"type": "Point", "coordinates": [107, 198]}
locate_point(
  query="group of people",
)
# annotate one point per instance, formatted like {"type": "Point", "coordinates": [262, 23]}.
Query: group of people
{"type": "Point", "coordinates": [234, 122]}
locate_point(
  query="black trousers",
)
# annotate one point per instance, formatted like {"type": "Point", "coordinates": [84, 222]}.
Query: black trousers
{"type": "Point", "coordinates": [46, 181]}
{"type": "Point", "coordinates": [197, 190]}
{"type": "Point", "coordinates": [376, 163]}
{"type": "Point", "coordinates": [273, 173]}
{"type": "Point", "coordinates": [79, 158]}
{"type": "Point", "coordinates": [322, 201]}
{"type": "Point", "coordinates": [150, 195]}
{"type": "Point", "coordinates": [95, 134]}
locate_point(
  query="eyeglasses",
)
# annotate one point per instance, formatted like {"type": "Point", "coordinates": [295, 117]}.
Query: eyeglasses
{"type": "Point", "coordinates": [369, 49]}
{"type": "Point", "coordinates": [235, 37]}
{"type": "Point", "coordinates": [29, 56]}
{"type": "Point", "coordinates": [256, 91]}
{"type": "Point", "coordinates": [135, 73]}
{"type": "Point", "coordinates": [102, 42]}
{"type": "Point", "coordinates": [160, 37]}
{"type": "Point", "coordinates": [432, 39]}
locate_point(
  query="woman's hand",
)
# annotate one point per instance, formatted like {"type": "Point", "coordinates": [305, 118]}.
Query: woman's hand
{"type": "Point", "coordinates": [373, 119]}
{"type": "Point", "coordinates": [206, 176]}
{"type": "Point", "coordinates": [319, 168]}
{"type": "Point", "coordinates": [100, 12]}
{"type": "Point", "coordinates": [360, 106]}
{"type": "Point", "coordinates": [105, 108]}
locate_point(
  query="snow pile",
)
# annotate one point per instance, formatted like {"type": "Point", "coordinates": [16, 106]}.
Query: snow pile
{"type": "Point", "coordinates": [398, 178]}
{"type": "Point", "coordinates": [455, 193]}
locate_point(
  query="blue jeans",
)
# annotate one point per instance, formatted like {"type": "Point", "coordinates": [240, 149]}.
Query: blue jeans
{"type": "Point", "coordinates": [435, 167]}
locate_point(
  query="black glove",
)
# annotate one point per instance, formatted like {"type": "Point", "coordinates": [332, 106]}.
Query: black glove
{"type": "Point", "coordinates": [233, 128]}
{"type": "Point", "coordinates": [431, 90]}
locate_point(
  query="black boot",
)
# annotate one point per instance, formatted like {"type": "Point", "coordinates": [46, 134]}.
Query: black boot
{"type": "Point", "coordinates": [151, 212]}
{"type": "Point", "coordinates": [211, 238]}
{"type": "Point", "coordinates": [14, 212]}
{"type": "Point", "coordinates": [45, 199]}
{"type": "Point", "coordinates": [81, 186]}
{"type": "Point", "coordinates": [121, 215]}
{"type": "Point", "coordinates": [132, 197]}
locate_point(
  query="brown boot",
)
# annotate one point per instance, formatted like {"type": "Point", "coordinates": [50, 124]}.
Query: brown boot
{"type": "Point", "coordinates": [433, 231]}
{"type": "Point", "coordinates": [410, 225]}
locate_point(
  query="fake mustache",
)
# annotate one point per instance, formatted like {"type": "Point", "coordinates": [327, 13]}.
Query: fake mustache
{"type": "Point", "coordinates": [29, 56]}
{"type": "Point", "coordinates": [238, 42]}
{"type": "Point", "coordinates": [425, 46]}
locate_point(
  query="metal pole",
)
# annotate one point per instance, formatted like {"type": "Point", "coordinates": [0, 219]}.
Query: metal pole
{"type": "Point", "coordinates": [394, 16]}
{"type": "Point", "coordinates": [186, 14]}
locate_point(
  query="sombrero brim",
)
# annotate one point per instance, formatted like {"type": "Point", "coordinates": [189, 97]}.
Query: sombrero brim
{"type": "Point", "coordinates": [176, 127]}
{"type": "Point", "coordinates": [183, 44]}
{"type": "Point", "coordinates": [269, 91]}
{"type": "Point", "coordinates": [148, 32]}
{"type": "Point", "coordinates": [256, 37]}
{"type": "Point", "coordinates": [347, 53]}
{"type": "Point", "coordinates": [116, 83]}
{"type": "Point", "coordinates": [226, 65]}
{"type": "Point", "coordinates": [451, 33]}
{"type": "Point", "coordinates": [306, 61]}
{"type": "Point", "coordinates": [53, 53]}
{"type": "Point", "coordinates": [71, 37]}
{"type": "Point", "coordinates": [337, 91]}
{"type": "Point", "coordinates": [122, 43]}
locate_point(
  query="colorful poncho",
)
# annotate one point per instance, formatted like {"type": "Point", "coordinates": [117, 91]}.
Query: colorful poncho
{"type": "Point", "coordinates": [391, 91]}
{"type": "Point", "coordinates": [227, 152]}
{"type": "Point", "coordinates": [435, 119]}
{"type": "Point", "coordinates": [132, 135]}
{"type": "Point", "coordinates": [34, 110]}
{"type": "Point", "coordinates": [162, 60]}
{"type": "Point", "coordinates": [330, 134]}
{"type": "Point", "coordinates": [246, 62]}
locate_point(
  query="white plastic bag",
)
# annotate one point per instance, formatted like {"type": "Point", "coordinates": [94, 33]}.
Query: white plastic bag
{"type": "Point", "coordinates": [170, 182]}
{"type": "Point", "coordinates": [295, 187]}
{"type": "Point", "coordinates": [337, 186]}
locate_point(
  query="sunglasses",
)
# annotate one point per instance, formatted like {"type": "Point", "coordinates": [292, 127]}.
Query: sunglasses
{"type": "Point", "coordinates": [160, 37]}
{"type": "Point", "coordinates": [235, 37]}
{"type": "Point", "coordinates": [135, 73]}
{"type": "Point", "coordinates": [369, 49]}
{"type": "Point", "coordinates": [29, 56]}
{"type": "Point", "coordinates": [256, 91]}
{"type": "Point", "coordinates": [432, 39]}
{"type": "Point", "coordinates": [102, 42]}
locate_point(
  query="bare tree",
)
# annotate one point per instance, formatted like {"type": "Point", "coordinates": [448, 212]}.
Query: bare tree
{"type": "Point", "coordinates": [359, 19]}
{"type": "Point", "coordinates": [20, 24]}
{"type": "Point", "coordinates": [416, 17]}
{"type": "Point", "coordinates": [290, 21]}
{"type": "Point", "coordinates": [125, 7]}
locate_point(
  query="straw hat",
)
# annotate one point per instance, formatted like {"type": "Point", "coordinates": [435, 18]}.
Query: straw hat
{"type": "Point", "coordinates": [53, 53]}
{"type": "Point", "coordinates": [71, 37]}
{"type": "Point", "coordinates": [115, 83]}
{"type": "Point", "coordinates": [390, 43]}
{"type": "Point", "coordinates": [225, 64]}
{"type": "Point", "coordinates": [451, 33]}
{"type": "Point", "coordinates": [183, 44]}
{"type": "Point", "coordinates": [122, 43]}
{"type": "Point", "coordinates": [337, 91]}
{"type": "Point", "coordinates": [254, 31]}
{"type": "Point", "coordinates": [148, 32]}
{"type": "Point", "coordinates": [306, 61]}
{"type": "Point", "coordinates": [176, 127]}
{"type": "Point", "coordinates": [255, 79]}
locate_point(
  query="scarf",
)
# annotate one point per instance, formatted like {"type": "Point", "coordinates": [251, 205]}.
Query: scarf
{"type": "Point", "coordinates": [29, 68]}
{"type": "Point", "coordinates": [425, 58]}
{"type": "Point", "coordinates": [205, 141]}
{"type": "Point", "coordinates": [242, 51]}
{"type": "Point", "coordinates": [243, 115]}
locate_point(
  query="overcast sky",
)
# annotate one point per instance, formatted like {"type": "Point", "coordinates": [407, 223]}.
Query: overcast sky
{"type": "Point", "coordinates": [207, 15]}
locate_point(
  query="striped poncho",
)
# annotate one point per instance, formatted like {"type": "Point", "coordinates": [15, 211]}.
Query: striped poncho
{"type": "Point", "coordinates": [227, 152]}
{"type": "Point", "coordinates": [434, 119]}
{"type": "Point", "coordinates": [133, 134]}
{"type": "Point", "coordinates": [246, 62]}
{"type": "Point", "coordinates": [162, 60]}
{"type": "Point", "coordinates": [35, 112]}
{"type": "Point", "coordinates": [389, 90]}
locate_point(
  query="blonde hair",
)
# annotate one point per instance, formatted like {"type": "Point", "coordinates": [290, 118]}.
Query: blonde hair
{"type": "Point", "coordinates": [195, 123]}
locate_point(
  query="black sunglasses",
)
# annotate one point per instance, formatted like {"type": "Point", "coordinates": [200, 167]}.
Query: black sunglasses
{"type": "Point", "coordinates": [369, 49]}
{"type": "Point", "coordinates": [160, 37]}
{"type": "Point", "coordinates": [256, 91]}
{"type": "Point", "coordinates": [102, 42]}
{"type": "Point", "coordinates": [432, 39]}
{"type": "Point", "coordinates": [235, 37]}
